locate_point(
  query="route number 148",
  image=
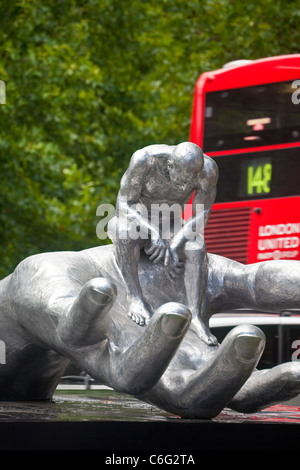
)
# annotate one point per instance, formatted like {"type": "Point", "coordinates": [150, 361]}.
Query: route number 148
{"type": "Point", "coordinates": [259, 179]}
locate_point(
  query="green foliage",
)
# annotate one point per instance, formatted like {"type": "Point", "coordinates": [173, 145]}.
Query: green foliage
{"type": "Point", "coordinates": [88, 82]}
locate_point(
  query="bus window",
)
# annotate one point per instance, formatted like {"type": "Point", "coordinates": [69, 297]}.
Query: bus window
{"type": "Point", "coordinates": [251, 116]}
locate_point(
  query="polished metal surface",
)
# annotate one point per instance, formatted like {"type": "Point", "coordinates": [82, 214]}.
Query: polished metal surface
{"type": "Point", "coordinates": [84, 307]}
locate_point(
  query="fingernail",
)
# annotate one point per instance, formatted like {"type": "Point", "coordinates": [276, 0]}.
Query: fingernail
{"type": "Point", "coordinates": [173, 324]}
{"type": "Point", "coordinates": [100, 297]}
{"type": "Point", "coordinates": [248, 348]}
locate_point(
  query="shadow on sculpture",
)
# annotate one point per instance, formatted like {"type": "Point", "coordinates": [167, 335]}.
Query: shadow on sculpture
{"type": "Point", "coordinates": [76, 306]}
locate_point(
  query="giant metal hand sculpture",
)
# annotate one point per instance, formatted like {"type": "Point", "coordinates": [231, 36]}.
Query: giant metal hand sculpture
{"type": "Point", "coordinates": [134, 315]}
{"type": "Point", "coordinates": [65, 306]}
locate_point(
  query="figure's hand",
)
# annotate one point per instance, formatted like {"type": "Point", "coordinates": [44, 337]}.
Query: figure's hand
{"type": "Point", "coordinates": [155, 247]}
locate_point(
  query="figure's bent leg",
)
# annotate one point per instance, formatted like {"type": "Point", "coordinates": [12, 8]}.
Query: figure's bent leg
{"type": "Point", "coordinates": [127, 252]}
{"type": "Point", "coordinates": [195, 280]}
{"type": "Point", "coordinates": [266, 387]}
{"type": "Point", "coordinates": [138, 369]}
{"type": "Point", "coordinates": [85, 322]}
{"type": "Point", "coordinates": [203, 394]}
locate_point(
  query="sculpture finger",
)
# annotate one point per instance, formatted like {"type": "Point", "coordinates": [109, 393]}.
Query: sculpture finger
{"type": "Point", "coordinates": [140, 367]}
{"type": "Point", "coordinates": [85, 322]}
{"type": "Point", "coordinates": [175, 271]}
{"type": "Point", "coordinates": [269, 386]}
{"type": "Point", "coordinates": [178, 267]}
{"type": "Point", "coordinates": [161, 255]}
{"type": "Point", "coordinates": [156, 253]}
{"type": "Point", "coordinates": [149, 250]}
{"type": "Point", "coordinates": [204, 393]}
{"type": "Point", "coordinates": [167, 258]}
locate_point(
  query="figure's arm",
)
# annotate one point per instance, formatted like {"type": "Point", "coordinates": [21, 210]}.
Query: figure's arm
{"type": "Point", "coordinates": [208, 187]}
{"type": "Point", "coordinates": [129, 208]}
{"type": "Point", "coordinates": [131, 188]}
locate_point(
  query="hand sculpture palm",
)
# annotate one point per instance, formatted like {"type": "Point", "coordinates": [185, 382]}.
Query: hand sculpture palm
{"type": "Point", "coordinates": [65, 306]}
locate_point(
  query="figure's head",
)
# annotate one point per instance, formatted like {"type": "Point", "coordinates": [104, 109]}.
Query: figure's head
{"type": "Point", "coordinates": [185, 164]}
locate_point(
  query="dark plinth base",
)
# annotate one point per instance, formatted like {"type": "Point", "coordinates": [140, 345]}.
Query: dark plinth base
{"type": "Point", "coordinates": [114, 423]}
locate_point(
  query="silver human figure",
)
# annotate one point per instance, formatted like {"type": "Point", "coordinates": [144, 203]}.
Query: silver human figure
{"type": "Point", "coordinates": [165, 175]}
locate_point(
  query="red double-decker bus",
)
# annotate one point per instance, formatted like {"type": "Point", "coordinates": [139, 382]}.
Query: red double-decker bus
{"type": "Point", "coordinates": [247, 117]}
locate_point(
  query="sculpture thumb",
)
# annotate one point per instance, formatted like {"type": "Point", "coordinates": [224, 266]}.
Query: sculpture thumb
{"type": "Point", "coordinates": [155, 349]}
